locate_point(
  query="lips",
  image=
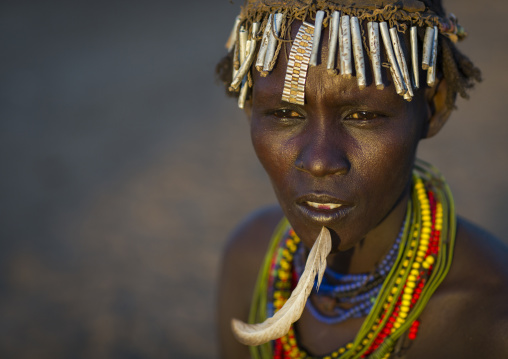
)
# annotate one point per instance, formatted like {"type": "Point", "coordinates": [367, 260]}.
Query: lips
{"type": "Point", "coordinates": [322, 208]}
{"type": "Point", "coordinates": [325, 206]}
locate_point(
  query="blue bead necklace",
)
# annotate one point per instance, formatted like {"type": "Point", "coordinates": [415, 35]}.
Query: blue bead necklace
{"type": "Point", "coordinates": [356, 291]}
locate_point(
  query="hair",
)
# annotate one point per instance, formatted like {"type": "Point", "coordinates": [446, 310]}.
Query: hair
{"type": "Point", "coordinates": [456, 68]}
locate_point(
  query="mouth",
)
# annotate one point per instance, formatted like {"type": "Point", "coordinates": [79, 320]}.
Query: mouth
{"type": "Point", "coordinates": [322, 208]}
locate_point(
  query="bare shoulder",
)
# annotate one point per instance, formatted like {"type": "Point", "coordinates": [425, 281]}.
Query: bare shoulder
{"type": "Point", "coordinates": [467, 316]}
{"type": "Point", "coordinates": [480, 258]}
{"type": "Point", "coordinates": [246, 247]}
{"type": "Point", "coordinates": [482, 268]}
{"type": "Point", "coordinates": [241, 261]}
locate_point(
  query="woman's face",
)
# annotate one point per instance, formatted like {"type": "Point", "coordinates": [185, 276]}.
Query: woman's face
{"type": "Point", "coordinates": [344, 159]}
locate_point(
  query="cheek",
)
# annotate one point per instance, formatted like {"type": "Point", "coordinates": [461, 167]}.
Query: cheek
{"type": "Point", "coordinates": [388, 165]}
{"type": "Point", "coordinates": [272, 150]}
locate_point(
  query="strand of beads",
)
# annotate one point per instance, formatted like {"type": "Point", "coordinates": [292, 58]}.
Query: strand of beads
{"type": "Point", "coordinates": [284, 347]}
{"type": "Point", "coordinates": [420, 281]}
{"type": "Point", "coordinates": [282, 271]}
{"type": "Point", "coordinates": [409, 283]}
{"type": "Point", "coordinates": [358, 290]}
{"type": "Point", "coordinates": [287, 346]}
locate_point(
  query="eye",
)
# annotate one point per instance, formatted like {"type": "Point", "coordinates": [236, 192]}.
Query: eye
{"type": "Point", "coordinates": [362, 115]}
{"type": "Point", "coordinates": [287, 113]}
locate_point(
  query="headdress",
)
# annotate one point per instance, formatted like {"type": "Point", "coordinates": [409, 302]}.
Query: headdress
{"type": "Point", "coordinates": [356, 28]}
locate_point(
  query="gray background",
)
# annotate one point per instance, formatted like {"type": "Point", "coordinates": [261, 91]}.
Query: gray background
{"type": "Point", "coordinates": [124, 167]}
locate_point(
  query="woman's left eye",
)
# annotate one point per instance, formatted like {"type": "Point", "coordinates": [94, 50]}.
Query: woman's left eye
{"type": "Point", "coordinates": [287, 113]}
{"type": "Point", "coordinates": [362, 115]}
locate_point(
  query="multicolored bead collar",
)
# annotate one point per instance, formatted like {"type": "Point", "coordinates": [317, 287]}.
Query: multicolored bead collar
{"type": "Point", "coordinates": [424, 258]}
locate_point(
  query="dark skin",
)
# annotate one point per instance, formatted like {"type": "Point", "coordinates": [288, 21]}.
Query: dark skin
{"type": "Point", "coordinates": [356, 149]}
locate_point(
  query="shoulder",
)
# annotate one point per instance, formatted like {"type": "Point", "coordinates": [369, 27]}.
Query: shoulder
{"type": "Point", "coordinates": [247, 245]}
{"type": "Point", "coordinates": [242, 258]}
{"type": "Point", "coordinates": [480, 273]}
{"type": "Point", "coordinates": [253, 233]}
{"type": "Point", "coordinates": [480, 257]}
{"type": "Point", "coordinates": [246, 248]}
{"type": "Point", "coordinates": [468, 314]}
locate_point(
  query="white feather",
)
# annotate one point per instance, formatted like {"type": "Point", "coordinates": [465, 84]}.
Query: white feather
{"type": "Point", "coordinates": [278, 325]}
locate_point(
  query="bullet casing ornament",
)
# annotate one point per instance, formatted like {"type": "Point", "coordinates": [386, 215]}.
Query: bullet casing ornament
{"type": "Point", "coordinates": [260, 60]}
{"type": "Point", "coordinates": [414, 57]}
{"type": "Point", "coordinates": [346, 68]}
{"type": "Point", "coordinates": [272, 44]}
{"type": "Point", "coordinates": [428, 41]}
{"type": "Point", "coordinates": [333, 42]}
{"type": "Point", "coordinates": [318, 25]}
{"type": "Point", "coordinates": [375, 54]}
{"type": "Point", "coordinates": [431, 72]}
{"type": "Point", "coordinates": [358, 53]}
{"type": "Point", "coordinates": [401, 61]}
{"type": "Point", "coordinates": [394, 67]}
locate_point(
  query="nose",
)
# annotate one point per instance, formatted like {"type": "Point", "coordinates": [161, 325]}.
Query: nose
{"type": "Point", "coordinates": [323, 153]}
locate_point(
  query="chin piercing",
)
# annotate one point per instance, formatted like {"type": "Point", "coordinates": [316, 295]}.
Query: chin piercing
{"type": "Point", "coordinates": [373, 31]}
{"type": "Point", "coordinates": [332, 42]}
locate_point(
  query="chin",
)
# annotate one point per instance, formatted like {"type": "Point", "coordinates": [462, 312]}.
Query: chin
{"type": "Point", "coordinates": [307, 224]}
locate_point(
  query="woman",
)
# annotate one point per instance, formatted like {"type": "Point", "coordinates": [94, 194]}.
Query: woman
{"type": "Point", "coordinates": [338, 95]}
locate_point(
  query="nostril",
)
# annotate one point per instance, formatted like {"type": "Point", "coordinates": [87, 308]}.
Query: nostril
{"type": "Point", "coordinates": [299, 164]}
{"type": "Point", "coordinates": [321, 164]}
{"type": "Point", "coordinates": [323, 151]}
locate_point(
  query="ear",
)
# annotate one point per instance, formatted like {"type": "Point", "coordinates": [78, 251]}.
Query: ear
{"type": "Point", "coordinates": [439, 111]}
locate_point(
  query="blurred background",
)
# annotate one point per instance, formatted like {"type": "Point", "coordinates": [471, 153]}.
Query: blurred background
{"type": "Point", "coordinates": [124, 167]}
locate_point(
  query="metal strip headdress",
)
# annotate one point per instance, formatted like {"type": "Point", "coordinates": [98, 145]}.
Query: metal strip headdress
{"type": "Point", "coordinates": [258, 28]}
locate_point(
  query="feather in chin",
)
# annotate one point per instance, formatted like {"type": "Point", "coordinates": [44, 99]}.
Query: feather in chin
{"type": "Point", "coordinates": [278, 325]}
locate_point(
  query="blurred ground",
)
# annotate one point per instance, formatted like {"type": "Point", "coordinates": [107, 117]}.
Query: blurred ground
{"type": "Point", "coordinates": [124, 167]}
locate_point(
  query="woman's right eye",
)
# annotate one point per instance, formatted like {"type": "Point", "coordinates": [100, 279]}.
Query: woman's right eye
{"type": "Point", "coordinates": [287, 114]}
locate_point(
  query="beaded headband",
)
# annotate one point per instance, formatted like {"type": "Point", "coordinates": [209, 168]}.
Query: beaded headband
{"type": "Point", "coordinates": [263, 26]}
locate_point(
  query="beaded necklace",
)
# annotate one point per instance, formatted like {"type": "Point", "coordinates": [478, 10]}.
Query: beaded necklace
{"type": "Point", "coordinates": [357, 290]}
{"type": "Point", "coordinates": [423, 260]}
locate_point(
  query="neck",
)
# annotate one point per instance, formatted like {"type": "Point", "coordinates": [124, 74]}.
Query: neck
{"type": "Point", "coordinates": [364, 257]}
